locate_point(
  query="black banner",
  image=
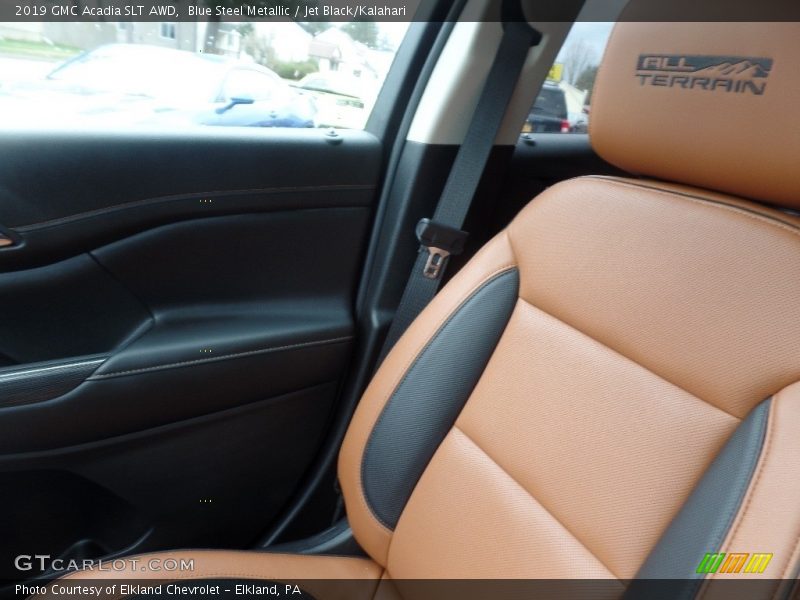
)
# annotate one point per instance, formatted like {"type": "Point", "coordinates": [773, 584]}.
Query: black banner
{"type": "Point", "coordinates": [383, 10]}
{"type": "Point", "coordinates": [744, 588]}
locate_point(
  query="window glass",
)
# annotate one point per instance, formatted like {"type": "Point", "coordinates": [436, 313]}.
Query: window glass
{"type": "Point", "coordinates": [178, 74]}
{"type": "Point", "coordinates": [564, 102]}
{"type": "Point", "coordinates": [168, 30]}
{"type": "Point", "coordinates": [249, 83]}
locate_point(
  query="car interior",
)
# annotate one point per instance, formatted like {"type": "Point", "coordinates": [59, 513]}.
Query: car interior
{"type": "Point", "coordinates": [211, 349]}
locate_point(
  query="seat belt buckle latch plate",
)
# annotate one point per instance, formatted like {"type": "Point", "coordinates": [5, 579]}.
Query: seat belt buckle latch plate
{"type": "Point", "coordinates": [440, 241]}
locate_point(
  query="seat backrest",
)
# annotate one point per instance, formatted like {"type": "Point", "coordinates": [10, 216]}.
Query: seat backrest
{"type": "Point", "coordinates": [608, 388]}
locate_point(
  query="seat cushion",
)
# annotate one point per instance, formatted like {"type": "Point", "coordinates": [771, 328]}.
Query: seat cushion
{"type": "Point", "coordinates": [650, 321]}
{"type": "Point", "coordinates": [604, 356]}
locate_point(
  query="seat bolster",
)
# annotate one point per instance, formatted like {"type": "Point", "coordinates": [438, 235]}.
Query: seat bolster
{"type": "Point", "coordinates": [769, 520]}
{"type": "Point", "coordinates": [496, 257]}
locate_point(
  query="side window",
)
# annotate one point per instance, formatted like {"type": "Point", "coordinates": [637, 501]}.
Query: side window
{"type": "Point", "coordinates": [173, 74]}
{"type": "Point", "coordinates": [564, 102]}
{"type": "Point", "coordinates": [168, 30]}
{"type": "Point", "coordinates": [247, 83]}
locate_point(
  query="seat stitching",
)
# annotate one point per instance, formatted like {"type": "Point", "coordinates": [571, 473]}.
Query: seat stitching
{"type": "Point", "coordinates": [535, 499]}
{"type": "Point", "coordinates": [402, 372]}
{"type": "Point", "coordinates": [629, 359]}
{"type": "Point", "coordinates": [750, 214]}
{"type": "Point", "coordinates": [757, 478]}
{"type": "Point", "coordinates": [399, 379]}
{"type": "Point", "coordinates": [750, 492]}
{"type": "Point", "coordinates": [792, 554]}
{"type": "Point", "coordinates": [406, 373]}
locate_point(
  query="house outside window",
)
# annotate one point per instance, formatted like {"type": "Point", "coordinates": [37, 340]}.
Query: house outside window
{"type": "Point", "coordinates": [167, 30]}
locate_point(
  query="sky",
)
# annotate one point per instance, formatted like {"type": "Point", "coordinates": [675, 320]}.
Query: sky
{"type": "Point", "coordinates": [595, 34]}
{"type": "Point", "coordinates": [394, 32]}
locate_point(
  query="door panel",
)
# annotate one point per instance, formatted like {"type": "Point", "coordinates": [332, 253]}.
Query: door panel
{"type": "Point", "coordinates": [175, 322]}
{"type": "Point", "coordinates": [68, 193]}
{"type": "Point", "coordinates": [205, 482]}
{"type": "Point", "coordinates": [67, 309]}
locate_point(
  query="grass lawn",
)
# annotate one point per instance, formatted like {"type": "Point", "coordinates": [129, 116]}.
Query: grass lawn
{"type": "Point", "coordinates": [36, 50]}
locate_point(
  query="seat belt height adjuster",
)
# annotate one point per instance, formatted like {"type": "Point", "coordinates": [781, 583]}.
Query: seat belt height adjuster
{"type": "Point", "coordinates": [440, 241]}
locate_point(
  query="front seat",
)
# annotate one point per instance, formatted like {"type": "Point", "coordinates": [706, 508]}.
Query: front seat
{"type": "Point", "coordinates": [609, 389]}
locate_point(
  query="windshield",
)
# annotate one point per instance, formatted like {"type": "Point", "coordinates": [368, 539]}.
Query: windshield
{"type": "Point", "coordinates": [144, 71]}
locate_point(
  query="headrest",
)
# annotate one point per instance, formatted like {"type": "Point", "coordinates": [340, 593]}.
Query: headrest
{"type": "Point", "coordinates": [715, 105]}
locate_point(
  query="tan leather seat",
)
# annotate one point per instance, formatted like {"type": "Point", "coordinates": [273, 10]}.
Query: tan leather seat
{"type": "Point", "coordinates": [609, 389]}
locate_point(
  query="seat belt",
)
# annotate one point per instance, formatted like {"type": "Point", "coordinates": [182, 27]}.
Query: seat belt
{"type": "Point", "coordinates": [441, 236]}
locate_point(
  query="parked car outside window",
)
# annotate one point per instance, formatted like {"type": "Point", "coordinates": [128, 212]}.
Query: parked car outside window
{"type": "Point", "coordinates": [168, 75]}
{"type": "Point", "coordinates": [342, 100]}
{"type": "Point", "coordinates": [549, 112]}
{"type": "Point", "coordinates": [564, 101]}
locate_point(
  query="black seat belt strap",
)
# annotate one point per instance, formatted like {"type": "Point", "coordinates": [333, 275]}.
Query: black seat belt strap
{"type": "Point", "coordinates": [441, 236]}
